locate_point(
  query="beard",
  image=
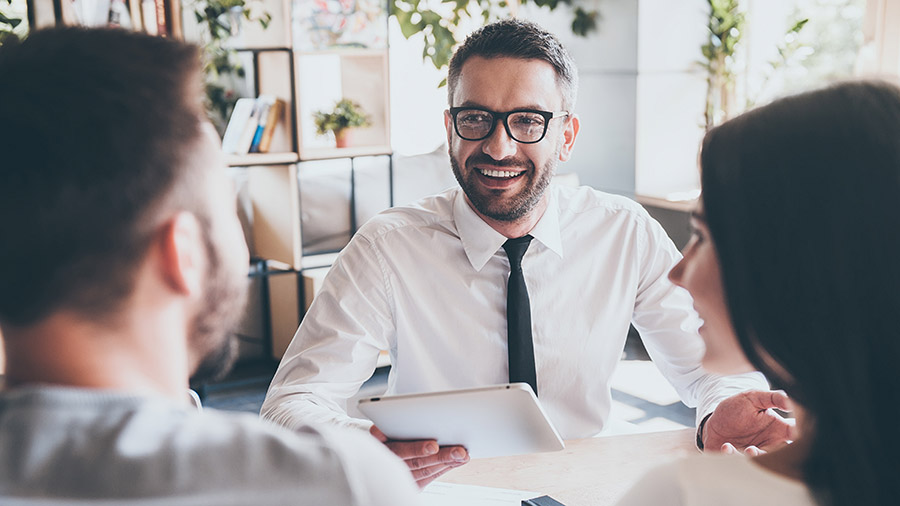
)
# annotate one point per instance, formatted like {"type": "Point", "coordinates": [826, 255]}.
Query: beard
{"type": "Point", "coordinates": [490, 203]}
{"type": "Point", "coordinates": [211, 334]}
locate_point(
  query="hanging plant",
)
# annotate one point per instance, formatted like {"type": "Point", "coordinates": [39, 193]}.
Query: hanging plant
{"type": "Point", "coordinates": [438, 21]}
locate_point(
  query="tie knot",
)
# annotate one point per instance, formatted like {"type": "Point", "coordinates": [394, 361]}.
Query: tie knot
{"type": "Point", "coordinates": [515, 249]}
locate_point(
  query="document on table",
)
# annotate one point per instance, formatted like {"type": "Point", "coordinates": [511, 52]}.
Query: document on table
{"type": "Point", "coordinates": [452, 494]}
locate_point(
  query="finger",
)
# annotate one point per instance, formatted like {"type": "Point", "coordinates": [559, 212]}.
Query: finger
{"type": "Point", "coordinates": [413, 449]}
{"type": "Point", "coordinates": [449, 455]}
{"type": "Point", "coordinates": [426, 475]}
{"type": "Point", "coordinates": [375, 431]}
{"type": "Point", "coordinates": [778, 434]}
{"type": "Point", "coordinates": [753, 451]}
{"type": "Point", "coordinates": [728, 449]}
{"type": "Point", "coordinates": [778, 399]}
{"type": "Point", "coordinates": [792, 430]}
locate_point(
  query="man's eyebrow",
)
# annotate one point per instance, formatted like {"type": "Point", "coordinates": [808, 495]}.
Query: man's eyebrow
{"type": "Point", "coordinates": [473, 105]}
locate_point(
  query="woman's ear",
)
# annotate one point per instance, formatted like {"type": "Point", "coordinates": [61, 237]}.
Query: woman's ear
{"type": "Point", "coordinates": [182, 253]}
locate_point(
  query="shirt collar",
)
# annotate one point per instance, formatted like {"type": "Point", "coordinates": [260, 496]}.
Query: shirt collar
{"type": "Point", "coordinates": [480, 241]}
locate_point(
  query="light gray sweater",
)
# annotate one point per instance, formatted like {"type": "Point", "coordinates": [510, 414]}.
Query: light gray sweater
{"type": "Point", "coordinates": [80, 446]}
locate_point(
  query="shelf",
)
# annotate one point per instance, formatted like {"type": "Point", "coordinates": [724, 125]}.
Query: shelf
{"type": "Point", "coordinates": [329, 153]}
{"type": "Point", "coordinates": [314, 261]}
{"type": "Point", "coordinates": [261, 49]}
{"type": "Point", "coordinates": [252, 159]}
{"type": "Point", "coordinates": [349, 51]}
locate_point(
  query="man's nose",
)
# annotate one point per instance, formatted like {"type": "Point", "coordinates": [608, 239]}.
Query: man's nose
{"type": "Point", "coordinates": [499, 145]}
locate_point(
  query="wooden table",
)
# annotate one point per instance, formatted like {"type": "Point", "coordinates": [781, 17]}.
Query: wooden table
{"type": "Point", "coordinates": [595, 471]}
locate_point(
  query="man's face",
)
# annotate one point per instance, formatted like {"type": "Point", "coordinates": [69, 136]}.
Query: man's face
{"type": "Point", "coordinates": [222, 305]}
{"type": "Point", "coordinates": [503, 179]}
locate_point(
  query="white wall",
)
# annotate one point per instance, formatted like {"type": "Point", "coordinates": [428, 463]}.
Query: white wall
{"type": "Point", "coordinates": [604, 155]}
{"type": "Point", "coordinates": [671, 94]}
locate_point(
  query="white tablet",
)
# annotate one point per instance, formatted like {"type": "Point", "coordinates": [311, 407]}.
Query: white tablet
{"type": "Point", "coordinates": [489, 421]}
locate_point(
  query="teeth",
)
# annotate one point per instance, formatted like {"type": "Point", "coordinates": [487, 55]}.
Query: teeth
{"type": "Point", "coordinates": [498, 173]}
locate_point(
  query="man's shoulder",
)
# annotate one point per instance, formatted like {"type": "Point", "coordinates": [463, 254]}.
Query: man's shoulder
{"type": "Point", "coordinates": [178, 452]}
{"type": "Point", "coordinates": [585, 201]}
{"type": "Point", "coordinates": [431, 211]}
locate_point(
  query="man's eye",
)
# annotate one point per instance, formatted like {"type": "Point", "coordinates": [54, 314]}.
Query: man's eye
{"type": "Point", "coordinates": [475, 118]}
{"type": "Point", "coordinates": [528, 120]}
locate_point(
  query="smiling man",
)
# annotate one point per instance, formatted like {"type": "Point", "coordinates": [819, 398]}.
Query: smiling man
{"type": "Point", "coordinates": [508, 278]}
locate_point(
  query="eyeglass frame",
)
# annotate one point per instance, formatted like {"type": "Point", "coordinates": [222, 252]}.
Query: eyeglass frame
{"type": "Point", "coordinates": [503, 117]}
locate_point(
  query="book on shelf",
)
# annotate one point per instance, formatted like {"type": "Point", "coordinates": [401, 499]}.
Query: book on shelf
{"type": "Point", "coordinates": [155, 17]}
{"type": "Point", "coordinates": [275, 112]}
{"type": "Point", "coordinates": [161, 27]}
{"type": "Point", "coordinates": [252, 124]}
{"type": "Point", "coordinates": [134, 9]}
{"type": "Point", "coordinates": [148, 15]}
{"type": "Point", "coordinates": [240, 116]}
{"type": "Point", "coordinates": [248, 131]}
{"type": "Point", "coordinates": [264, 104]}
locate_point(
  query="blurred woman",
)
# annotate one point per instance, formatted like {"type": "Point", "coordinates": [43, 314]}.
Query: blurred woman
{"type": "Point", "coordinates": [794, 266]}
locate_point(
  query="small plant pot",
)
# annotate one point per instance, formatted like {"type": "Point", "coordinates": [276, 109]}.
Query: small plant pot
{"type": "Point", "coordinates": [342, 138]}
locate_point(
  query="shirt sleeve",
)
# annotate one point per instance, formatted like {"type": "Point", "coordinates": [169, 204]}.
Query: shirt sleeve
{"type": "Point", "coordinates": [376, 476]}
{"type": "Point", "coordinates": [336, 348]}
{"type": "Point", "coordinates": [658, 487]}
{"type": "Point", "coordinates": [665, 317]}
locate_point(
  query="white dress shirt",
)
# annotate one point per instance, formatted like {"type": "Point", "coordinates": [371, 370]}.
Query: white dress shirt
{"type": "Point", "coordinates": [428, 283]}
{"type": "Point", "coordinates": [716, 480]}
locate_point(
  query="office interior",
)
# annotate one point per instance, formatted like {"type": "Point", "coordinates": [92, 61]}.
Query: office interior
{"type": "Point", "coordinates": [644, 99]}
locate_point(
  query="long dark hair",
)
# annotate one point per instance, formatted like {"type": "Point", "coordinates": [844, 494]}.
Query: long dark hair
{"type": "Point", "coordinates": [802, 200]}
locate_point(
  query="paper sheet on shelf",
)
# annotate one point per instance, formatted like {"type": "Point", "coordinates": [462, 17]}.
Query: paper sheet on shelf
{"type": "Point", "coordinates": [453, 494]}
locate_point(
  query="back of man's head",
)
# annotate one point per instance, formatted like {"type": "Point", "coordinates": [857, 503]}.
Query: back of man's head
{"type": "Point", "coordinates": [516, 38]}
{"type": "Point", "coordinates": [95, 128]}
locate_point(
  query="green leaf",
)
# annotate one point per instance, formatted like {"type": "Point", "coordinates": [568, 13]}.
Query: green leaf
{"type": "Point", "coordinates": [14, 22]}
{"type": "Point", "coordinates": [407, 27]}
{"type": "Point", "coordinates": [584, 22]}
{"type": "Point", "coordinates": [798, 26]}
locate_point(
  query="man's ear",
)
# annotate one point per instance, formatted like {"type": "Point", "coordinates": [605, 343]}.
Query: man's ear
{"type": "Point", "coordinates": [569, 134]}
{"type": "Point", "coordinates": [183, 253]}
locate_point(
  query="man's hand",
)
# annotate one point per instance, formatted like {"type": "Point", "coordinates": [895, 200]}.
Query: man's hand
{"type": "Point", "coordinates": [426, 460]}
{"type": "Point", "coordinates": [748, 422]}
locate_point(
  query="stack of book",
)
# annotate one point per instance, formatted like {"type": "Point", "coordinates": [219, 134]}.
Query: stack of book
{"type": "Point", "coordinates": [156, 17]}
{"type": "Point", "coordinates": [252, 123]}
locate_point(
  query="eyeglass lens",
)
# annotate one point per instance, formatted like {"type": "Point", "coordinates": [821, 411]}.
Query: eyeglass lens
{"type": "Point", "coordinates": [523, 126]}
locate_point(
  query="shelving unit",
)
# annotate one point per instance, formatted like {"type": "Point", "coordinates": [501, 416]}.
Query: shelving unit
{"type": "Point", "coordinates": [302, 61]}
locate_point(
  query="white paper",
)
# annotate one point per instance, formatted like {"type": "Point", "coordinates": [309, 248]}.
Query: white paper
{"type": "Point", "coordinates": [451, 494]}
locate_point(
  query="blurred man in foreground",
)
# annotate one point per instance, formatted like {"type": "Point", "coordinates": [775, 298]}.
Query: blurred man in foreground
{"type": "Point", "coordinates": [122, 269]}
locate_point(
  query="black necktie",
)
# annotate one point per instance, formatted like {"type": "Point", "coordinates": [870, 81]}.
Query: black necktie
{"type": "Point", "coordinates": [518, 317]}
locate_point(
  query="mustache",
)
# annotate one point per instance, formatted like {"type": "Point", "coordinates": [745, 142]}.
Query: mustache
{"type": "Point", "coordinates": [482, 158]}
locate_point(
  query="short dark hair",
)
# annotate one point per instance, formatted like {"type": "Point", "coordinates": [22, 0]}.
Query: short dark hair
{"type": "Point", "coordinates": [515, 38]}
{"type": "Point", "coordinates": [95, 130]}
{"type": "Point", "coordinates": [802, 200]}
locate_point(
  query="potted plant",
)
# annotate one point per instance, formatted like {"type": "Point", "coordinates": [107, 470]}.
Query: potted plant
{"type": "Point", "coordinates": [346, 114]}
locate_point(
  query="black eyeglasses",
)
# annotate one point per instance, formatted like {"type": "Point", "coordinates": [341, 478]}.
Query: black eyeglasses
{"type": "Point", "coordinates": [526, 126]}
